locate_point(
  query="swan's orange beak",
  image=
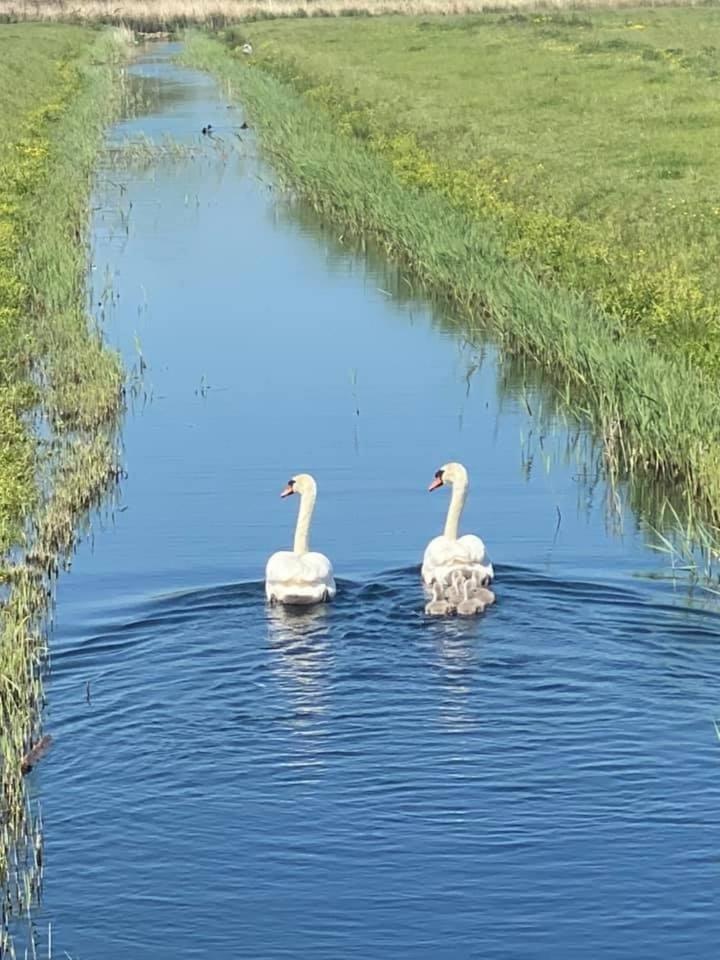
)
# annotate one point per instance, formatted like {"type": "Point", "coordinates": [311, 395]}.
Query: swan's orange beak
{"type": "Point", "coordinates": [437, 482]}
{"type": "Point", "coordinates": [287, 491]}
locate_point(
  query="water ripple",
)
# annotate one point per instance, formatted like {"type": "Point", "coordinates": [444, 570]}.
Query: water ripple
{"type": "Point", "coordinates": [360, 754]}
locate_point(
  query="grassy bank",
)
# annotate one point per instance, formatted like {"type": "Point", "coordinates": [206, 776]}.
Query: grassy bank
{"type": "Point", "coordinates": [655, 415]}
{"type": "Point", "coordinates": [588, 140]}
{"type": "Point", "coordinates": [60, 389]}
{"type": "Point", "coordinates": [31, 74]}
{"type": "Point", "coordinates": [159, 15]}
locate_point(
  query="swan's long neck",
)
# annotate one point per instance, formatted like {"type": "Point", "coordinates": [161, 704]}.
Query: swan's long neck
{"type": "Point", "coordinates": [302, 528]}
{"type": "Point", "coordinates": [457, 502]}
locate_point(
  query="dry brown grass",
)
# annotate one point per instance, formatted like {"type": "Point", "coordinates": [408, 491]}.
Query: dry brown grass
{"type": "Point", "coordinates": [150, 15]}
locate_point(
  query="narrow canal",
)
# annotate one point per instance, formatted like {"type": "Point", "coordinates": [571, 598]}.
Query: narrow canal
{"type": "Point", "coordinates": [358, 781]}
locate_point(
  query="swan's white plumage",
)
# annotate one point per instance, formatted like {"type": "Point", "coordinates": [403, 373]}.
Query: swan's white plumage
{"type": "Point", "coordinates": [466, 555]}
{"type": "Point", "coordinates": [449, 556]}
{"type": "Point", "coordinates": [300, 576]}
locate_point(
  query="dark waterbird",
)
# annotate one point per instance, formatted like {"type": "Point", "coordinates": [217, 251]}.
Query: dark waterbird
{"type": "Point", "coordinates": [35, 753]}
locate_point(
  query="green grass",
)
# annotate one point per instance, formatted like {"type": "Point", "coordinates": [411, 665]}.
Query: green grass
{"type": "Point", "coordinates": [32, 58]}
{"type": "Point", "coordinates": [33, 68]}
{"type": "Point", "coordinates": [48, 354]}
{"type": "Point", "coordinates": [655, 416]}
{"type": "Point", "coordinates": [36, 81]}
{"type": "Point", "coordinates": [59, 88]}
{"type": "Point", "coordinates": [589, 139]}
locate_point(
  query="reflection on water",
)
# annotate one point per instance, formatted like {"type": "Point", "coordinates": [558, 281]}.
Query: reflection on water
{"type": "Point", "coordinates": [459, 659]}
{"type": "Point", "coordinates": [298, 640]}
{"type": "Point", "coordinates": [358, 780]}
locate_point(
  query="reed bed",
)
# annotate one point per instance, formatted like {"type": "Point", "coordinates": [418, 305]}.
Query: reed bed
{"type": "Point", "coordinates": [656, 417]}
{"type": "Point", "coordinates": [141, 153]}
{"type": "Point", "coordinates": [143, 15]}
{"type": "Point", "coordinates": [72, 389]}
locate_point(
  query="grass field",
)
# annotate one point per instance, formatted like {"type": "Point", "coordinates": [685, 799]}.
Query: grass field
{"type": "Point", "coordinates": [589, 139]}
{"type": "Point", "coordinates": [60, 389]}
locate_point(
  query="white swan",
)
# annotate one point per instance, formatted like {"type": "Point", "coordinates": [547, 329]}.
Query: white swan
{"type": "Point", "coordinates": [300, 576]}
{"type": "Point", "coordinates": [449, 553]}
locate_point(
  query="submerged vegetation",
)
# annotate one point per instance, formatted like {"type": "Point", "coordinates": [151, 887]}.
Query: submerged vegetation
{"type": "Point", "coordinates": [61, 388]}
{"type": "Point", "coordinates": [656, 412]}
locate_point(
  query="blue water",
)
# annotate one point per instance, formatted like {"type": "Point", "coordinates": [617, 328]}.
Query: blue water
{"type": "Point", "coordinates": [357, 781]}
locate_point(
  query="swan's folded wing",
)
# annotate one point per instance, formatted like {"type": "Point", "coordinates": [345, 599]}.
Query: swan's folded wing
{"type": "Point", "coordinates": [299, 578]}
{"type": "Point", "coordinates": [317, 568]}
{"type": "Point", "coordinates": [282, 565]}
{"type": "Point", "coordinates": [476, 552]}
{"type": "Point", "coordinates": [446, 552]}
{"type": "Point", "coordinates": [283, 571]}
{"type": "Point", "coordinates": [444, 555]}
{"type": "Point", "coordinates": [319, 573]}
{"type": "Point", "coordinates": [438, 551]}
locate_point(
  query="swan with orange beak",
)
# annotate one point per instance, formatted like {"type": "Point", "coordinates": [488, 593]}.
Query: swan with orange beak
{"type": "Point", "coordinates": [300, 576]}
{"type": "Point", "coordinates": [449, 553]}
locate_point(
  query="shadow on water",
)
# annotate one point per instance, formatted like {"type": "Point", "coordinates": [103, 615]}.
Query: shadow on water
{"type": "Point", "coordinates": [357, 780]}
